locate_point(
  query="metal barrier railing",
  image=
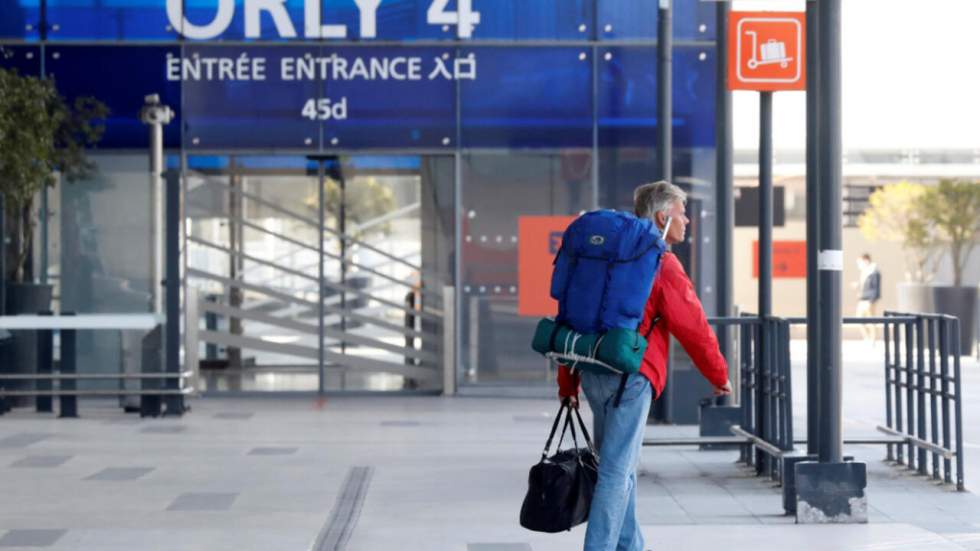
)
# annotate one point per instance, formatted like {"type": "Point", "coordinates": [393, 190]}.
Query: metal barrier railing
{"type": "Point", "coordinates": [157, 386]}
{"type": "Point", "coordinates": [914, 343]}
{"type": "Point", "coordinates": [764, 389]}
{"type": "Point", "coordinates": [922, 387]}
{"type": "Point", "coordinates": [767, 407]}
{"type": "Point", "coordinates": [922, 362]}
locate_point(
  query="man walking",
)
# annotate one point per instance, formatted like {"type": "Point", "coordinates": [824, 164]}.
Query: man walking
{"type": "Point", "coordinates": [672, 309]}
{"type": "Point", "coordinates": [869, 285]}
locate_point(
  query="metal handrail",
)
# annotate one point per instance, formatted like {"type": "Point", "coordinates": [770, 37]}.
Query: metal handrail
{"type": "Point", "coordinates": [314, 223]}
{"type": "Point", "coordinates": [350, 313]}
{"type": "Point", "coordinates": [275, 265]}
{"type": "Point", "coordinates": [310, 329]}
{"type": "Point", "coordinates": [911, 439]}
{"type": "Point", "coordinates": [250, 258]}
{"type": "Point", "coordinates": [758, 442]}
{"type": "Point", "coordinates": [77, 376]}
{"type": "Point", "coordinates": [860, 320]}
{"type": "Point", "coordinates": [121, 392]}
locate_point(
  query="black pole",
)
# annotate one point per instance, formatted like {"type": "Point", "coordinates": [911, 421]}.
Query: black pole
{"type": "Point", "coordinates": [665, 103]}
{"type": "Point", "coordinates": [3, 255]}
{"type": "Point", "coordinates": [661, 409]}
{"type": "Point", "coordinates": [765, 204]}
{"type": "Point", "coordinates": [321, 181]}
{"type": "Point", "coordinates": [68, 365]}
{"type": "Point", "coordinates": [343, 254]}
{"type": "Point", "coordinates": [830, 261]}
{"type": "Point", "coordinates": [171, 227]}
{"type": "Point", "coordinates": [812, 231]}
{"type": "Point", "coordinates": [724, 205]}
{"type": "Point", "coordinates": [766, 343]}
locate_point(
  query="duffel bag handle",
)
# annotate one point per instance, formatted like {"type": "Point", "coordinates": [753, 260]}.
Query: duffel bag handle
{"type": "Point", "coordinates": [568, 424]}
{"type": "Point", "coordinates": [585, 433]}
{"type": "Point", "coordinates": [554, 428]}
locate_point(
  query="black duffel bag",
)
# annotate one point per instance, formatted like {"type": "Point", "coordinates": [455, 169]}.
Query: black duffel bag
{"type": "Point", "coordinates": [560, 487]}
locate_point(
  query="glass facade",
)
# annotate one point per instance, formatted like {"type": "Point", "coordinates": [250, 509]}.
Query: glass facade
{"type": "Point", "coordinates": [542, 108]}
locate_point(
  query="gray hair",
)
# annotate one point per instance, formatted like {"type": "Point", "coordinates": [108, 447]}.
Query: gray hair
{"type": "Point", "coordinates": [649, 199]}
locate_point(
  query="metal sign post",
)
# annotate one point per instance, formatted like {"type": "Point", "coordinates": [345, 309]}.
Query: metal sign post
{"type": "Point", "coordinates": [812, 231]}
{"type": "Point", "coordinates": [724, 205]}
{"type": "Point", "coordinates": [830, 261]}
{"type": "Point", "coordinates": [830, 490]}
{"type": "Point", "coordinates": [665, 103]}
{"type": "Point", "coordinates": [765, 204]}
{"type": "Point", "coordinates": [156, 115]}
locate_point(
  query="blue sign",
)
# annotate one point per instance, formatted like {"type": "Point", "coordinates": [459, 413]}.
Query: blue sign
{"type": "Point", "coordinates": [362, 20]}
{"type": "Point", "coordinates": [627, 104]}
{"type": "Point", "coordinates": [318, 97]}
{"type": "Point", "coordinates": [26, 60]}
{"type": "Point", "coordinates": [121, 77]}
{"type": "Point", "coordinates": [528, 96]}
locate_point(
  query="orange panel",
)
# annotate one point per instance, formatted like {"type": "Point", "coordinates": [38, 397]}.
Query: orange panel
{"type": "Point", "coordinates": [788, 259]}
{"type": "Point", "coordinates": [538, 240]}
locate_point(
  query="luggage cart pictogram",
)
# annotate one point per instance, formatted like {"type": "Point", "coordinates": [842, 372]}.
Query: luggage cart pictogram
{"type": "Point", "coordinates": [772, 51]}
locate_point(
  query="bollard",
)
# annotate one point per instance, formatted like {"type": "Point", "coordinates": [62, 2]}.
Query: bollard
{"type": "Point", "coordinates": [69, 402]}
{"type": "Point", "coordinates": [45, 366]}
{"type": "Point", "coordinates": [151, 405]}
{"type": "Point", "coordinates": [831, 493]}
{"type": "Point", "coordinates": [789, 462]}
{"type": "Point", "coordinates": [717, 421]}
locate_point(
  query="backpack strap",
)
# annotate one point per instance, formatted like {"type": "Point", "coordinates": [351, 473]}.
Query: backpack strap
{"type": "Point", "coordinates": [568, 281]}
{"type": "Point", "coordinates": [554, 334]}
{"type": "Point", "coordinates": [652, 325]}
{"type": "Point", "coordinates": [622, 380]}
{"type": "Point", "coordinates": [622, 388]}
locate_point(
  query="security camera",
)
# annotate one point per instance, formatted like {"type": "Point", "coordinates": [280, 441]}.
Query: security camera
{"type": "Point", "coordinates": [153, 112]}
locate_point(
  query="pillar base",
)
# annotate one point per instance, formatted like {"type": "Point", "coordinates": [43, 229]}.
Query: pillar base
{"type": "Point", "coordinates": [789, 480]}
{"type": "Point", "coordinates": [831, 493]}
{"type": "Point", "coordinates": [718, 421]}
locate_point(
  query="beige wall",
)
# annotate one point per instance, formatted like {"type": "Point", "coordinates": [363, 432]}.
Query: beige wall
{"type": "Point", "coordinates": [789, 295]}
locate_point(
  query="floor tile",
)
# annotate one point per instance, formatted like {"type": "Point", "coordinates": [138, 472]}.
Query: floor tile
{"type": "Point", "coordinates": [203, 502]}
{"type": "Point", "coordinates": [31, 538]}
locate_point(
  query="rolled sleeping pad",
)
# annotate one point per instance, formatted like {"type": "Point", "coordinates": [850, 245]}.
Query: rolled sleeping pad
{"type": "Point", "coordinates": [620, 348]}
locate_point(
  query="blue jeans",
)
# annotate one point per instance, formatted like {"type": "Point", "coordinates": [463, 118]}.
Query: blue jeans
{"type": "Point", "coordinates": [618, 434]}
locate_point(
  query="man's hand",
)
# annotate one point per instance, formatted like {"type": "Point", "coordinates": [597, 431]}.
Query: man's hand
{"type": "Point", "coordinates": [723, 390]}
{"type": "Point", "coordinates": [572, 400]}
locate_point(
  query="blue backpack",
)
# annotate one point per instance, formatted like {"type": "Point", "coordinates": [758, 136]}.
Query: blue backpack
{"type": "Point", "coordinates": [604, 271]}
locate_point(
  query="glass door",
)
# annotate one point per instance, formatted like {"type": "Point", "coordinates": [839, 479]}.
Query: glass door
{"type": "Point", "coordinates": [319, 273]}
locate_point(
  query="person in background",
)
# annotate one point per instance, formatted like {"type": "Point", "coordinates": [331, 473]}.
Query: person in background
{"type": "Point", "coordinates": [869, 293]}
{"type": "Point", "coordinates": [672, 309]}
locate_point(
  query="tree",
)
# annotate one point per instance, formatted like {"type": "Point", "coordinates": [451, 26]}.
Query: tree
{"type": "Point", "coordinates": [896, 214]}
{"type": "Point", "coordinates": [954, 209]}
{"type": "Point", "coordinates": [41, 136]}
{"type": "Point", "coordinates": [367, 200]}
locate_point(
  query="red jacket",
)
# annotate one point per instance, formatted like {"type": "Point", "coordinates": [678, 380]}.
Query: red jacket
{"type": "Point", "coordinates": [681, 315]}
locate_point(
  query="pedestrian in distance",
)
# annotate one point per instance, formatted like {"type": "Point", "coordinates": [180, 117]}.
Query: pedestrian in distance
{"type": "Point", "coordinates": [869, 293]}
{"type": "Point", "coordinates": [672, 308]}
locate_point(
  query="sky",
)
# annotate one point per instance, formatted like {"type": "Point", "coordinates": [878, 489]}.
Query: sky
{"type": "Point", "coordinates": [911, 78]}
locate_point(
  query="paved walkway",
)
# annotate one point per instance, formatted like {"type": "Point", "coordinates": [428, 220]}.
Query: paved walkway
{"type": "Point", "coordinates": [426, 474]}
{"type": "Point", "coordinates": [393, 473]}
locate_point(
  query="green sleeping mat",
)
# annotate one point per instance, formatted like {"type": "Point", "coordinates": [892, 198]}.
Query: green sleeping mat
{"type": "Point", "coordinates": [619, 350]}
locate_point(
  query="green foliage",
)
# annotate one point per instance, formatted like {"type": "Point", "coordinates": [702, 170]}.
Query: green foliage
{"type": "Point", "coordinates": [954, 210]}
{"type": "Point", "coordinates": [367, 199]}
{"type": "Point", "coordinates": [896, 214]}
{"type": "Point", "coordinates": [41, 135]}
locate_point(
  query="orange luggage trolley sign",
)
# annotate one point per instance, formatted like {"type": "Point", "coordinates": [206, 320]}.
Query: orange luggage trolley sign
{"type": "Point", "coordinates": [767, 51]}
